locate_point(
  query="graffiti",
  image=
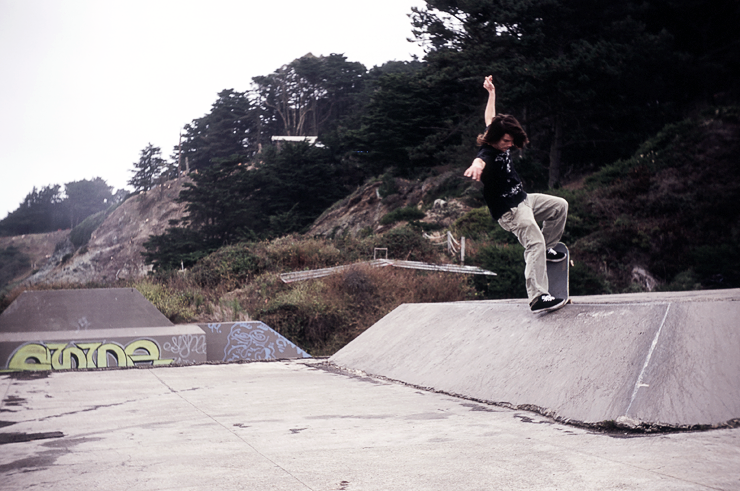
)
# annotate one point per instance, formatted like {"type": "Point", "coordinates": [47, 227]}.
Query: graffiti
{"type": "Point", "coordinates": [83, 324]}
{"type": "Point", "coordinates": [215, 328]}
{"type": "Point", "coordinates": [186, 344]}
{"type": "Point", "coordinates": [65, 356]}
{"type": "Point", "coordinates": [253, 342]}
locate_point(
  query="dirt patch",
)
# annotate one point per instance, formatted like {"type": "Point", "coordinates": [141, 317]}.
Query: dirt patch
{"type": "Point", "coordinates": [115, 248]}
{"type": "Point", "coordinates": [38, 247]}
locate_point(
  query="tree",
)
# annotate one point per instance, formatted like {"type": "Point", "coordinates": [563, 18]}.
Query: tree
{"type": "Point", "coordinates": [706, 31]}
{"type": "Point", "coordinates": [86, 197]}
{"type": "Point", "coordinates": [231, 128]}
{"type": "Point", "coordinates": [575, 71]}
{"type": "Point", "coordinates": [230, 202]}
{"type": "Point", "coordinates": [41, 211]}
{"type": "Point", "coordinates": [309, 95]}
{"type": "Point", "coordinates": [147, 171]}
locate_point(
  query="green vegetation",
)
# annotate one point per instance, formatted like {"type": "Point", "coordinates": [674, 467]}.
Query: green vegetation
{"type": "Point", "coordinates": [13, 262]}
{"type": "Point", "coordinates": [405, 214]}
{"type": "Point", "coordinates": [670, 208]}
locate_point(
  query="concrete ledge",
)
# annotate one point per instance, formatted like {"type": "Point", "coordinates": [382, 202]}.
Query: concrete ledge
{"type": "Point", "coordinates": [102, 348]}
{"type": "Point", "coordinates": [659, 359]}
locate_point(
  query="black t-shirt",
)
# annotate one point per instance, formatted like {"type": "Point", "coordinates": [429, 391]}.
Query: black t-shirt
{"type": "Point", "coordinates": [502, 187]}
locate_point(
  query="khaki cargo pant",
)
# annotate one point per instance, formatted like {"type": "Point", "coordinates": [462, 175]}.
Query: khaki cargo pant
{"type": "Point", "coordinates": [522, 222]}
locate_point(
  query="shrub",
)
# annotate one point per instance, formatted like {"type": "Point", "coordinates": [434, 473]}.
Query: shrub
{"type": "Point", "coordinates": [227, 267]}
{"type": "Point", "coordinates": [323, 315]}
{"type": "Point", "coordinates": [406, 214]}
{"type": "Point", "coordinates": [80, 235]}
{"type": "Point", "coordinates": [584, 281]}
{"type": "Point", "coordinates": [175, 305]}
{"type": "Point", "coordinates": [507, 261]}
{"type": "Point", "coordinates": [407, 244]}
{"type": "Point", "coordinates": [475, 224]}
{"type": "Point", "coordinates": [293, 253]}
{"type": "Point", "coordinates": [13, 263]}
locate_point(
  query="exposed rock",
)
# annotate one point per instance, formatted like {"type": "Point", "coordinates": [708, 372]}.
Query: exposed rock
{"type": "Point", "coordinates": [114, 250]}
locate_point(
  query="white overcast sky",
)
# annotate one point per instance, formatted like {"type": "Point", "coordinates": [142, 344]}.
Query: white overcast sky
{"type": "Point", "coordinates": [85, 85]}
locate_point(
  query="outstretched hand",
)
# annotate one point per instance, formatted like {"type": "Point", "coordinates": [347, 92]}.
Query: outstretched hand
{"type": "Point", "coordinates": [476, 169]}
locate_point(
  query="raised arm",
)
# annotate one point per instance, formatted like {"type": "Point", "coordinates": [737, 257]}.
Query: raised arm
{"type": "Point", "coordinates": [491, 105]}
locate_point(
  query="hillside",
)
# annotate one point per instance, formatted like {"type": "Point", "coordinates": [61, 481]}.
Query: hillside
{"type": "Point", "coordinates": [664, 219]}
{"type": "Point", "coordinates": [669, 211]}
{"type": "Point", "coordinates": [363, 211]}
{"type": "Point", "coordinates": [114, 249]}
{"type": "Point", "coordinates": [23, 254]}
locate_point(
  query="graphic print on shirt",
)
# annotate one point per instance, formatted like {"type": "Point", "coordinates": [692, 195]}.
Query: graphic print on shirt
{"type": "Point", "coordinates": [517, 188]}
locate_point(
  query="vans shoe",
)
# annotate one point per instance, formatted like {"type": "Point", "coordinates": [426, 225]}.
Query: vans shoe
{"type": "Point", "coordinates": [546, 303]}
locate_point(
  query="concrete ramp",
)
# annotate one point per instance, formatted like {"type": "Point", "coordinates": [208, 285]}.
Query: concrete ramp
{"type": "Point", "coordinates": [118, 327]}
{"type": "Point", "coordinates": [80, 310]}
{"type": "Point", "coordinates": [664, 359]}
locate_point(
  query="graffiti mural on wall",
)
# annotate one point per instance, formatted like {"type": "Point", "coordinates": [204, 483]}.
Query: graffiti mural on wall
{"type": "Point", "coordinates": [255, 341]}
{"type": "Point", "coordinates": [185, 345]}
{"type": "Point", "coordinates": [68, 355]}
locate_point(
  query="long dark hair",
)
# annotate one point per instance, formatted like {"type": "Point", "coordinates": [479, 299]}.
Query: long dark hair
{"type": "Point", "coordinates": [501, 125]}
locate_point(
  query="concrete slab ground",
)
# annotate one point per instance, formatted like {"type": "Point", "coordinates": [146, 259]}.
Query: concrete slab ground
{"type": "Point", "coordinates": [303, 424]}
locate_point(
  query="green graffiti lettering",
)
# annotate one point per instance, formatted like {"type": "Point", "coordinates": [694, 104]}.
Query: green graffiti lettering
{"type": "Point", "coordinates": [151, 349]}
{"type": "Point", "coordinates": [37, 352]}
{"type": "Point", "coordinates": [55, 354]}
{"type": "Point", "coordinates": [116, 350]}
{"type": "Point", "coordinates": [77, 353]}
{"type": "Point", "coordinates": [89, 357]}
{"type": "Point", "coordinates": [58, 356]}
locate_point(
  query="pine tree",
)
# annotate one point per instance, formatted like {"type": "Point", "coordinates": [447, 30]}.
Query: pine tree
{"type": "Point", "coordinates": [148, 169]}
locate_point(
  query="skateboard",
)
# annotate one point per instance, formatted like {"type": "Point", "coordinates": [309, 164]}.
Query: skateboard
{"type": "Point", "coordinates": [558, 275]}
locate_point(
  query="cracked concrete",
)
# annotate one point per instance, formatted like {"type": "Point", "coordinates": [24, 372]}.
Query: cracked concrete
{"type": "Point", "coordinates": [294, 425]}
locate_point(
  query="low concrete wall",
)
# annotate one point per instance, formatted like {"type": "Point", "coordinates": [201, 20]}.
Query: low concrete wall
{"type": "Point", "coordinates": [661, 359]}
{"type": "Point", "coordinates": [101, 348]}
{"type": "Point", "coordinates": [254, 340]}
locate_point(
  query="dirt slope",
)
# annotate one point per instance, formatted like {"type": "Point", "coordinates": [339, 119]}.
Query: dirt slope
{"type": "Point", "coordinates": [114, 250]}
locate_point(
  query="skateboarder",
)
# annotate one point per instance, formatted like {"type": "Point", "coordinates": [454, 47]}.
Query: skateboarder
{"type": "Point", "coordinates": [515, 210]}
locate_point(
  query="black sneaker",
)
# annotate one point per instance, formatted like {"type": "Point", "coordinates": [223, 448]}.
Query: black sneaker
{"type": "Point", "coordinates": [546, 303]}
{"type": "Point", "coordinates": [554, 256]}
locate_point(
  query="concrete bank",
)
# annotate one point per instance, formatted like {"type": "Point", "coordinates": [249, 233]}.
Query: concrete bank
{"type": "Point", "coordinates": [661, 359]}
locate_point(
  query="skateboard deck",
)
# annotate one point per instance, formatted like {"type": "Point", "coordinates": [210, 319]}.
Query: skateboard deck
{"type": "Point", "coordinates": [558, 274]}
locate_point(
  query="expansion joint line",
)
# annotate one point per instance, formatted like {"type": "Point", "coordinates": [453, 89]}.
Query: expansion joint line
{"type": "Point", "coordinates": [639, 383]}
{"type": "Point", "coordinates": [231, 431]}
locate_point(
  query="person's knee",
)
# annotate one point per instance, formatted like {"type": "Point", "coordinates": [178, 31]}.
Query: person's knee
{"type": "Point", "coordinates": [562, 205]}
{"type": "Point", "coordinates": [534, 243]}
